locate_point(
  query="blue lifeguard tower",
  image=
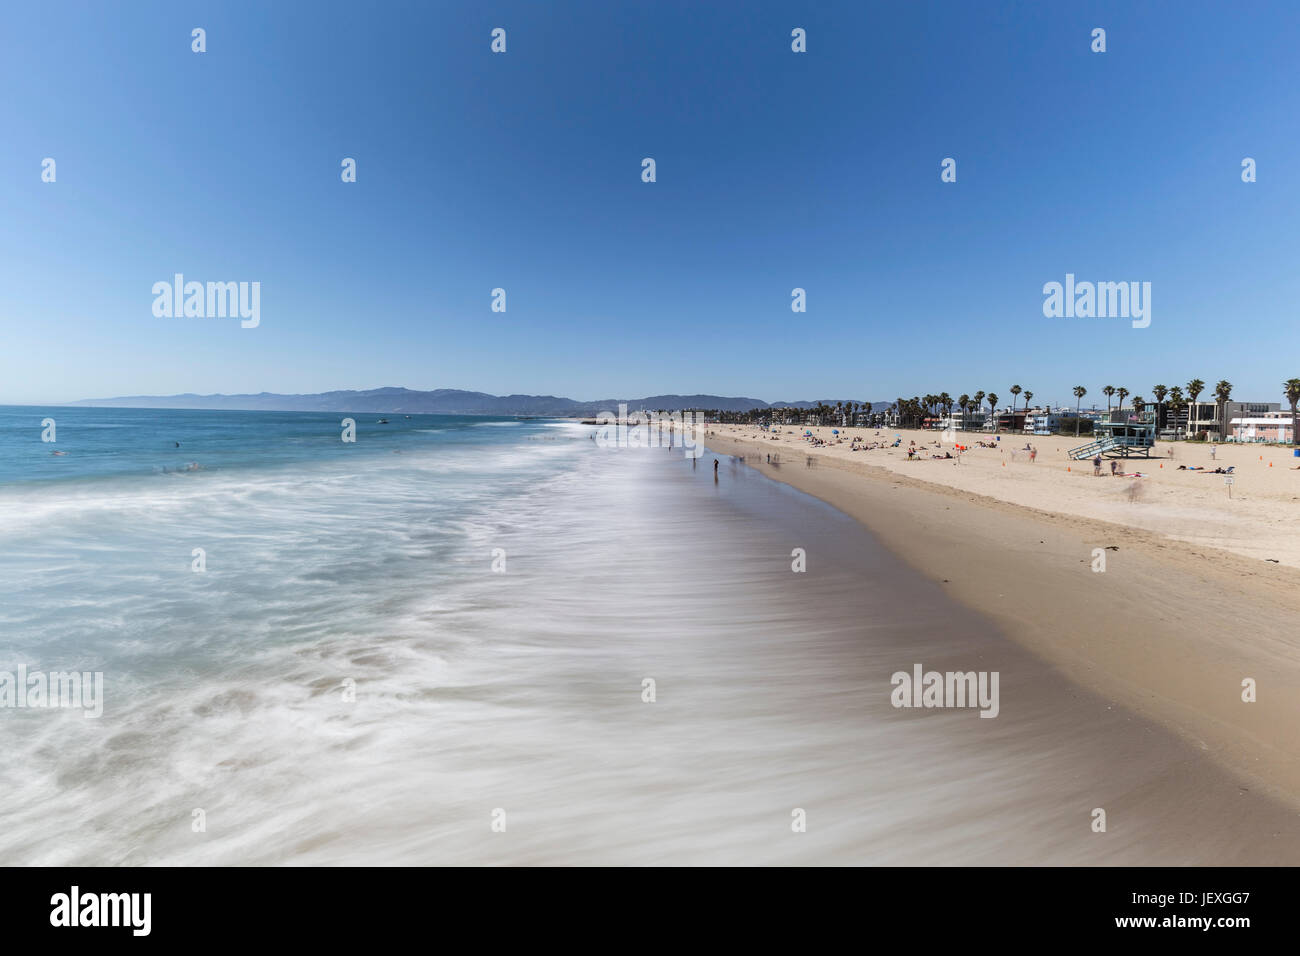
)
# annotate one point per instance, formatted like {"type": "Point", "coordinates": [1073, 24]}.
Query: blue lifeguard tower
{"type": "Point", "coordinates": [1123, 435]}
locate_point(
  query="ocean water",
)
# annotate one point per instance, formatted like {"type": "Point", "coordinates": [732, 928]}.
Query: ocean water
{"type": "Point", "coordinates": [512, 695]}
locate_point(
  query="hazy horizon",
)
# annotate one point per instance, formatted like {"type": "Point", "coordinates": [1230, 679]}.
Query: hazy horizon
{"type": "Point", "coordinates": [1091, 401]}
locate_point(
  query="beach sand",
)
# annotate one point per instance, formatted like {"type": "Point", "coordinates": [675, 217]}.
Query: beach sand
{"type": "Point", "coordinates": [1260, 520]}
{"type": "Point", "coordinates": [1184, 612]}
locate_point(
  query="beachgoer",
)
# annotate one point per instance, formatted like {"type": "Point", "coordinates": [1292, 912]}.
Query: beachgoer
{"type": "Point", "coordinates": [1213, 451]}
{"type": "Point", "coordinates": [1114, 468]}
{"type": "Point", "coordinates": [1096, 466]}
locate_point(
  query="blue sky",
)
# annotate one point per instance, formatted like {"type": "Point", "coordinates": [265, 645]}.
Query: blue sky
{"type": "Point", "coordinates": [775, 170]}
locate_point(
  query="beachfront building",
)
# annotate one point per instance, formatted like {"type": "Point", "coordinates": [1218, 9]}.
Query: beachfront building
{"type": "Point", "coordinates": [1039, 422]}
{"type": "Point", "coordinates": [1009, 421]}
{"type": "Point", "coordinates": [970, 421]}
{"type": "Point", "coordinates": [1012, 420]}
{"type": "Point", "coordinates": [1204, 417]}
{"type": "Point", "coordinates": [1265, 428]}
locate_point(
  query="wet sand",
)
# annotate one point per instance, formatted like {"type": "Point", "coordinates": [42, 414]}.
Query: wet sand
{"type": "Point", "coordinates": [773, 696]}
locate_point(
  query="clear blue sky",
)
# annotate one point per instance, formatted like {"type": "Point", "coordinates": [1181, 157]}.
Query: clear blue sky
{"type": "Point", "coordinates": [522, 170]}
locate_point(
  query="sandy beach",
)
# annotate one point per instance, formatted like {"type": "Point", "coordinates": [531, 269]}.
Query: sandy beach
{"type": "Point", "coordinates": [1259, 518]}
{"type": "Point", "coordinates": [1186, 609]}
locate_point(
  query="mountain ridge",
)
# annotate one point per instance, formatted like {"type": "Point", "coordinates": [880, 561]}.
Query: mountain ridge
{"type": "Point", "coordinates": [443, 401]}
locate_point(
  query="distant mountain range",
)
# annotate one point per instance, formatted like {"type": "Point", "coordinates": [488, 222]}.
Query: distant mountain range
{"type": "Point", "coordinates": [446, 401]}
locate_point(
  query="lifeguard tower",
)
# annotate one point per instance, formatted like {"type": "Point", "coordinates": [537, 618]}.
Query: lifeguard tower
{"type": "Point", "coordinates": [1123, 435]}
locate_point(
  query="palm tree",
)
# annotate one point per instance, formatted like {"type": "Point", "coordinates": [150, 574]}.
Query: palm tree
{"type": "Point", "coordinates": [1108, 391]}
{"type": "Point", "coordinates": [1122, 392]}
{"type": "Point", "coordinates": [1139, 403]}
{"type": "Point", "coordinates": [963, 402]}
{"type": "Point", "coordinates": [1015, 390]}
{"type": "Point", "coordinates": [1159, 391]}
{"type": "Point", "coordinates": [1222, 393]}
{"type": "Point", "coordinates": [1079, 392]}
{"type": "Point", "coordinates": [1194, 389]}
{"type": "Point", "coordinates": [993, 408]}
{"type": "Point", "coordinates": [977, 400]}
{"type": "Point", "coordinates": [1292, 393]}
{"type": "Point", "coordinates": [1176, 404]}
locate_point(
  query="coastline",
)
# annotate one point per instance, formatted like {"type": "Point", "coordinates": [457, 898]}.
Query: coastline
{"type": "Point", "coordinates": [1168, 631]}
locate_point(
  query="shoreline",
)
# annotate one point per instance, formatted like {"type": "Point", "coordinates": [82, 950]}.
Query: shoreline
{"type": "Point", "coordinates": [1133, 634]}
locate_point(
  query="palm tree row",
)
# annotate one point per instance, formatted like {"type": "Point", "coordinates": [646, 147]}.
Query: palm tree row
{"type": "Point", "coordinates": [913, 412]}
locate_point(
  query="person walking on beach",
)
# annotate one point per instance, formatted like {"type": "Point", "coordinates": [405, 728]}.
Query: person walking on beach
{"type": "Point", "coordinates": [715, 469]}
{"type": "Point", "coordinates": [1033, 454]}
{"type": "Point", "coordinates": [1096, 466]}
{"type": "Point", "coordinates": [1114, 468]}
{"type": "Point", "coordinates": [1213, 451]}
